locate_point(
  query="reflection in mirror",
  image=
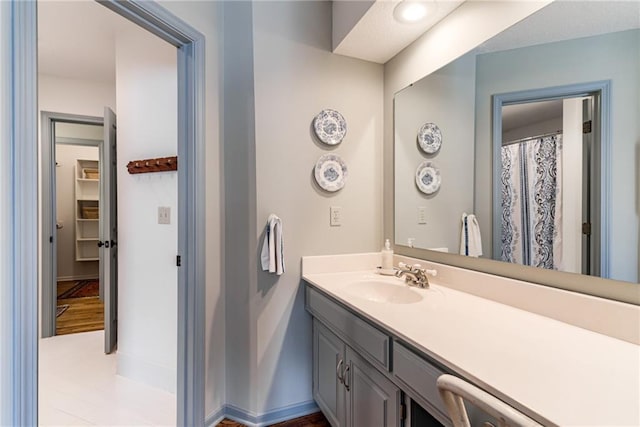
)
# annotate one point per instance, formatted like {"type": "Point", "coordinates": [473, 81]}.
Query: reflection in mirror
{"type": "Point", "coordinates": [578, 210]}
{"type": "Point", "coordinates": [548, 158]}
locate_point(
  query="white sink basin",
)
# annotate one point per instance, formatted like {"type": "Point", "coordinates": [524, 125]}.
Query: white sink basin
{"type": "Point", "coordinates": [383, 291]}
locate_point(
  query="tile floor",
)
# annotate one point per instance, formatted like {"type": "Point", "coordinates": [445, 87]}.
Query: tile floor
{"type": "Point", "coordinates": [79, 387]}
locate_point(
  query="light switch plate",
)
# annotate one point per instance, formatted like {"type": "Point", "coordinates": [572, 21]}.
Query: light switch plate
{"type": "Point", "coordinates": [164, 215]}
{"type": "Point", "coordinates": [422, 215]}
{"type": "Point", "coordinates": [335, 216]}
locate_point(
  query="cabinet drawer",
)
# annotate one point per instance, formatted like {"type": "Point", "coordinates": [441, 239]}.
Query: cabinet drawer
{"type": "Point", "coordinates": [357, 333]}
{"type": "Point", "coordinates": [419, 376]}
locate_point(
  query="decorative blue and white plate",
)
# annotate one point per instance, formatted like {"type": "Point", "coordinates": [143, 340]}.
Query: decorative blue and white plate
{"type": "Point", "coordinates": [330, 172]}
{"type": "Point", "coordinates": [428, 177]}
{"type": "Point", "coordinates": [430, 138]}
{"type": "Point", "coordinates": [330, 126]}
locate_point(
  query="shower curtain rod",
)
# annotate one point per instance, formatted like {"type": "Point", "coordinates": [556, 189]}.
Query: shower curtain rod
{"type": "Point", "coordinates": [529, 138]}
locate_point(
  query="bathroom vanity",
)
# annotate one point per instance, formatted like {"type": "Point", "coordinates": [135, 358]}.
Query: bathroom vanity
{"type": "Point", "coordinates": [379, 347]}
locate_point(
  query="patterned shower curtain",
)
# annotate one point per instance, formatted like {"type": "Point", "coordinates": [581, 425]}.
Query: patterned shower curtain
{"type": "Point", "coordinates": [532, 202]}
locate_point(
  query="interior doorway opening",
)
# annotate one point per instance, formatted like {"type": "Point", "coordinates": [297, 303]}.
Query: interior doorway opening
{"type": "Point", "coordinates": [76, 209]}
{"type": "Point", "coordinates": [20, 398]}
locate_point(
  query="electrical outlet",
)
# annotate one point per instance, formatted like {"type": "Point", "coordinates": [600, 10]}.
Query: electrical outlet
{"type": "Point", "coordinates": [422, 215]}
{"type": "Point", "coordinates": [335, 216]}
{"type": "Point", "coordinates": [164, 215]}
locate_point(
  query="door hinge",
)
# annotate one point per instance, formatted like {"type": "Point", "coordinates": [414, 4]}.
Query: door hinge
{"type": "Point", "coordinates": [50, 239]}
{"type": "Point", "coordinates": [586, 228]}
{"type": "Point", "coordinates": [403, 411]}
{"type": "Point", "coordinates": [586, 126]}
{"type": "Point", "coordinates": [178, 261]}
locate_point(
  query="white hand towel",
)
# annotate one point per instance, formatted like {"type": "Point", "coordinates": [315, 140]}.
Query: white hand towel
{"type": "Point", "coordinates": [272, 255]}
{"type": "Point", "coordinates": [470, 239]}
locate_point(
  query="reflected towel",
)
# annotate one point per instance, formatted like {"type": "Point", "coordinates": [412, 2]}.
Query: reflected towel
{"type": "Point", "coordinates": [470, 240]}
{"type": "Point", "coordinates": [272, 256]}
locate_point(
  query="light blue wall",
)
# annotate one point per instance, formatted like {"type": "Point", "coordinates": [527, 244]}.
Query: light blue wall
{"type": "Point", "coordinates": [614, 57]}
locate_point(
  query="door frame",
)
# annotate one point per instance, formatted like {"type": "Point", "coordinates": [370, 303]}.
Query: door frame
{"type": "Point", "coordinates": [48, 253]}
{"type": "Point", "coordinates": [19, 305]}
{"type": "Point", "coordinates": [601, 90]}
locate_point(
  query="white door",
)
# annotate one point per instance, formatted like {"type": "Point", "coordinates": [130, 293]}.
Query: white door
{"type": "Point", "coordinates": [109, 232]}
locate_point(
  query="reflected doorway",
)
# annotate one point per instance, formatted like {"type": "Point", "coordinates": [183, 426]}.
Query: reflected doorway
{"type": "Point", "coordinates": [548, 181]}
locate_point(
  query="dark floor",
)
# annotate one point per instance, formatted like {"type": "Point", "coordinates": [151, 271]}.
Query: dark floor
{"type": "Point", "coordinates": [313, 420]}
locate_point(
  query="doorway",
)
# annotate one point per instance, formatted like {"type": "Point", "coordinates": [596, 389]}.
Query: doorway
{"type": "Point", "coordinates": [19, 398]}
{"type": "Point", "coordinates": [550, 148]}
{"type": "Point", "coordinates": [79, 214]}
{"type": "Point", "coordinates": [75, 208]}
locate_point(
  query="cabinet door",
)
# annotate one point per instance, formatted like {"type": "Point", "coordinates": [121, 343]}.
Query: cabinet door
{"type": "Point", "coordinates": [328, 362]}
{"type": "Point", "coordinates": [372, 399]}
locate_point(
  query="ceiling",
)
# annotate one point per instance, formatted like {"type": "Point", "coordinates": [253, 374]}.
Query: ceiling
{"type": "Point", "coordinates": [518, 115]}
{"type": "Point", "coordinates": [76, 40]}
{"type": "Point", "coordinates": [565, 20]}
{"type": "Point", "coordinates": [378, 37]}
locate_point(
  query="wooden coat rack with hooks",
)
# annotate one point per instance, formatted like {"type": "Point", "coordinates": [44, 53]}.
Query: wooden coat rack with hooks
{"type": "Point", "coordinates": [160, 164]}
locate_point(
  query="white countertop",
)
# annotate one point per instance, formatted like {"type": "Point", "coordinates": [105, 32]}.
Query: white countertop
{"type": "Point", "coordinates": [557, 373]}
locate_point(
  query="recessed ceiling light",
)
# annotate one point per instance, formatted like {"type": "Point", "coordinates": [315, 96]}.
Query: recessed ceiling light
{"type": "Point", "coordinates": [410, 11]}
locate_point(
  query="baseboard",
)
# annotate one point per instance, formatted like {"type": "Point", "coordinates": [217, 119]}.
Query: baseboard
{"type": "Point", "coordinates": [147, 373]}
{"type": "Point", "coordinates": [213, 419]}
{"type": "Point", "coordinates": [70, 278]}
{"type": "Point", "coordinates": [259, 420]}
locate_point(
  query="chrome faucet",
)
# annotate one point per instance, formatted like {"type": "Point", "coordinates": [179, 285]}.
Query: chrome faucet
{"type": "Point", "coordinates": [414, 275]}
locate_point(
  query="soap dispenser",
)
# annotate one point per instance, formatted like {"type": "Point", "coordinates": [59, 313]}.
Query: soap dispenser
{"type": "Point", "coordinates": [387, 257]}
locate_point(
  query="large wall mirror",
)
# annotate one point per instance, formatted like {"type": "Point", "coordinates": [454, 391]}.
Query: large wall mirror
{"type": "Point", "coordinates": [539, 151]}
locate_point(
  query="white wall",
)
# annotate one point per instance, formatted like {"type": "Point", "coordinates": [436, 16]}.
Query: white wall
{"type": "Point", "coordinates": [146, 93]}
{"type": "Point", "coordinates": [205, 17]}
{"type": "Point", "coordinates": [446, 98]}
{"type": "Point", "coordinates": [73, 96]}
{"type": "Point", "coordinates": [571, 177]}
{"type": "Point", "coordinates": [561, 63]}
{"type": "Point", "coordinates": [294, 77]}
{"type": "Point", "coordinates": [67, 266]}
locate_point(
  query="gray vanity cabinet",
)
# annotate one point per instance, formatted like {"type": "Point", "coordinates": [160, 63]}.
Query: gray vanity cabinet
{"type": "Point", "coordinates": [372, 399]}
{"type": "Point", "coordinates": [328, 364]}
{"type": "Point", "coordinates": [349, 391]}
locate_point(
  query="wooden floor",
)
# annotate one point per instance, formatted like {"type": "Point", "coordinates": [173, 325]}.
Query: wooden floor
{"type": "Point", "coordinates": [313, 420]}
{"type": "Point", "coordinates": [83, 315]}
